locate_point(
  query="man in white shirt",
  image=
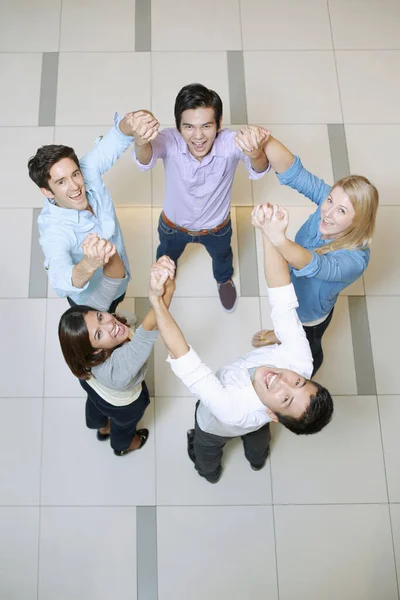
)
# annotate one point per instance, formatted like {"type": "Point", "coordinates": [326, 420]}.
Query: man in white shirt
{"type": "Point", "coordinates": [79, 204]}
{"type": "Point", "coordinates": [267, 384]}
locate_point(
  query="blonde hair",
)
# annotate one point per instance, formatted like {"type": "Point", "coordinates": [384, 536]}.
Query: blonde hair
{"type": "Point", "coordinates": [364, 198]}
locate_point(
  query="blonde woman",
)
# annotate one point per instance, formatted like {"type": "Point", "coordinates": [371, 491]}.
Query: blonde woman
{"type": "Point", "coordinates": [331, 249]}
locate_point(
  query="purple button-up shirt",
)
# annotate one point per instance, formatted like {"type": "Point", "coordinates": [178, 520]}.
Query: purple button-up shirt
{"type": "Point", "coordinates": [197, 194]}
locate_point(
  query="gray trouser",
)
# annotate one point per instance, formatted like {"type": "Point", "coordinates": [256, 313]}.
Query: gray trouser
{"type": "Point", "coordinates": [208, 449]}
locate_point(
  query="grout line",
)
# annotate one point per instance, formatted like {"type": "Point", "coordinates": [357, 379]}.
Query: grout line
{"type": "Point", "coordinates": [215, 51]}
{"type": "Point", "coordinates": [335, 61]}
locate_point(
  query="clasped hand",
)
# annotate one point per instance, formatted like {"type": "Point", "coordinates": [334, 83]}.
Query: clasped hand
{"type": "Point", "coordinates": [162, 278]}
{"type": "Point", "coordinates": [251, 140]}
{"type": "Point", "coordinates": [144, 126]}
{"type": "Point", "coordinates": [97, 251]}
{"type": "Point", "coordinates": [272, 221]}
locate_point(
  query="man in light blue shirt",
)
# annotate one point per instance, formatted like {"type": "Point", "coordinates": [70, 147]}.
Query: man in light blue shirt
{"type": "Point", "coordinates": [79, 204]}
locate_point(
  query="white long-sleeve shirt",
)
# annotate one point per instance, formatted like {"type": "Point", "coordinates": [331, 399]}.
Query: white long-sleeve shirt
{"type": "Point", "coordinates": [229, 405]}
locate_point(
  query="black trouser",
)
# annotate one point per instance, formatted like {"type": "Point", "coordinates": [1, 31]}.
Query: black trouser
{"type": "Point", "coordinates": [314, 335]}
{"type": "Point", "coordinates": [208, 449]}
{"type": "Point", "coordinates": [123, 419]}
{"type": "Point", "coordinates": [113, 305]}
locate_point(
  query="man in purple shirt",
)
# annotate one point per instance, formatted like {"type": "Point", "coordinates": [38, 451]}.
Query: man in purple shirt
{"type": "Point", "coordinates": [200, 161]}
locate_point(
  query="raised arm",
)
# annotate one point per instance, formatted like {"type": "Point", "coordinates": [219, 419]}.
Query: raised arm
{"type": "Point", "coordinates": [144, 127]}
{"type": "Point", "coordinates": [97, 253]}
{"type": "Point", "coordinates": [171, 334]}
{"type": "Point", "coordinates": [275, 266]}
{"type": "Point", "coordinates": [163, 264]}
{"type": "Point", "coordinates": [251, 140]}
{"type": "Point", "coordinates": [279, 157]}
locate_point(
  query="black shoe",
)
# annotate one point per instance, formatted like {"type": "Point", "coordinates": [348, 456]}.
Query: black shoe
{"type": "Point", "coordinates": [102, 436]}
{"type": "Point", "coordinates": [227, 295]}
{"type": "Point", "coordinates": [214, 479]}
{"type": "Point", "coordinates": [190, 440]}
{"type": "Point", "coordinates": [143, 434]}
{"type": "Point", "coordinates": [259, 467]}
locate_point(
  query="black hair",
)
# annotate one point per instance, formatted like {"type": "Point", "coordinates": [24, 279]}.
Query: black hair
{"type": "Point", "coordinates": [39, 165]}
{"type": "Point", "coordinates": [194, 96]}
{"type": "Point", "coordinates": [315, 417]}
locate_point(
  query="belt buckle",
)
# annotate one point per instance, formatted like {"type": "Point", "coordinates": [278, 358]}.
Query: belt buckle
{"type": "Point", "coordinates": [193, 233]}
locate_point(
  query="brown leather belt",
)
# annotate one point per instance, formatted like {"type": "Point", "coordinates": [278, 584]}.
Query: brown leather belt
{"type": "Point", "coordinates": [190, 231]}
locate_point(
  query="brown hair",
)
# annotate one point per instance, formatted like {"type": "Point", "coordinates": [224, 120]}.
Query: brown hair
{"type": "Point", "coordinates": [78, 352]}
{"type": "Point", "coordinates": [364, 198]}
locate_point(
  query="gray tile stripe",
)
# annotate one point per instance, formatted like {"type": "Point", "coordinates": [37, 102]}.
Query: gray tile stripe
{"type": "Point", "coordinates": [48, 89]}
{"type": "Point", "coordinates": [146, 550]}
{"type": "Point", "coordinates": [142, 306]}
{"type": "Point", "coordinates": [247, 252]}
{"type": "Point", "coordinates": [363, 359]}
{"type": "Point", "coordinates": [143, 26]}
{"type": "Point", "coordinates": [237, 87]}
{"type": "Point", "coordinates": [37, 273]}
{"type": "Point", "coordinates": [339, 154]}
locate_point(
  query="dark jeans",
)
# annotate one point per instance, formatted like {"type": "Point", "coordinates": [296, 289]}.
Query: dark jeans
{"type": "Point", "coordinates": [208, 449]}
{"type": "Point", "coordinates": [314, 335]}
{"type": "Point", "coordinates": [113, 305]}
{"type": "Point", "coordinates": [124, 419]}
{"type": "Point", "coordinates": [218, 246]}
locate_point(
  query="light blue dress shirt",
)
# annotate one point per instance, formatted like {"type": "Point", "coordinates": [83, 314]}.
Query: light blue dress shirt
{"type": "Point", "coordinates": [62, 230]}
{"type": "Point", "coordinates": [319, 283]}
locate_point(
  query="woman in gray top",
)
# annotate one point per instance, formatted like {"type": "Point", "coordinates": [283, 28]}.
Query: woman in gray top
{"type": "Point", "coordinates": [108, 359]}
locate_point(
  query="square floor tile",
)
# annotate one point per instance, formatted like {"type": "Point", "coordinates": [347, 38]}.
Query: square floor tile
{"type": "Point", "coordinates": [344, 462]}
{"type": "Point", "coordinates": [382, 277]}
{"type": "Point", "coordinates": [195, 275]}
{"type": "Point", "coordinates": [368, 90]}
{"type": "Point", "coordinates": [20, 451]}
{"type": "Point", "coordinates": [231, 553]}
{"type": "Point", "coordinates": [241, 189]}
{"type": "Point", "coordinates": [98, 25]}
{"type": "Point", "coordinates": [20, 77]}
{"type": "Point", "coordinates": [227, 336]}
{"type": "Point", "coordinates": [384, 328]}
{"type": "Point", "coordinates": [136, 228]}
{"type": "Point", "coordinates": [15, 224]}
{"type": "Point", "coordinates": [127, 185]}
{"type": "Point", "coordinates": [78, 470]}
{"type": "Point", "coordinates": [121, 71]}
{"type": "Point", "coordinates": [30, 27]}
{"type": "Point", "coordinates": [19, 553]}
{"type": "Point", "coordinates": [291, 25]}
{"type": "Point", "coordinates": [369, 25]}
{"type": "Point", "coordinates": [173, 70]}
{"type": "Point", "coordinates": [178, 483]}
{"type": "Point", "coordinates": [301, 87]}
{"type": "Point", "coordinates": [311, 143]}
{"type": "Point", "coordinates": [59, 381]}
{"type": "Point", "coordinates": [14, 161]}
{"type": "Point", "coordinates": [345, 551]}
{"type": "Point", "coordinates": [182, 26]}
{"type": "Point", "coordinates": [381, 167]}
{"type": "Point", "coordinates": [22, 323]}
{"type": "Point", "coordinates": [389, 410]}
{"type": "Point", "coordinates": [90, 551]}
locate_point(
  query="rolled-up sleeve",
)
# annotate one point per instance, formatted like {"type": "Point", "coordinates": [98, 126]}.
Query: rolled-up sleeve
{"type": "Point", "coordinates": [252, 173]}
{"type": "Point", "coordinates": [159, 146]}
{"type": "Point", "coordinates": [338, 265]}
{"type": "Point", "coordinates": [301, 180]}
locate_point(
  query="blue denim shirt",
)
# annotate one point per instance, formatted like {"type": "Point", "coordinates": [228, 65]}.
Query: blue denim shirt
{"type": "Point", "coordinates": [319, 283]}
{"type": "Point", "coordinates": [62, 230]}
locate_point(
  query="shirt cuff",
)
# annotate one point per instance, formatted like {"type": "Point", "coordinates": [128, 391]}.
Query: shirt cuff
{"type": "Point", "coordinates": [256, 175]}
{"type": "Point", "coordinates": [283, 296]}
{"type": "Point", "coordinates": [184, 365]}
{"type": "Point", "coordinates": [291, 173]}
{"type": "Point", "coordinates": [142, 167]}
{"type": "Point", "coordinates": [311, 269]}
{"type": "Point", "coordinates": [117, 120]}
